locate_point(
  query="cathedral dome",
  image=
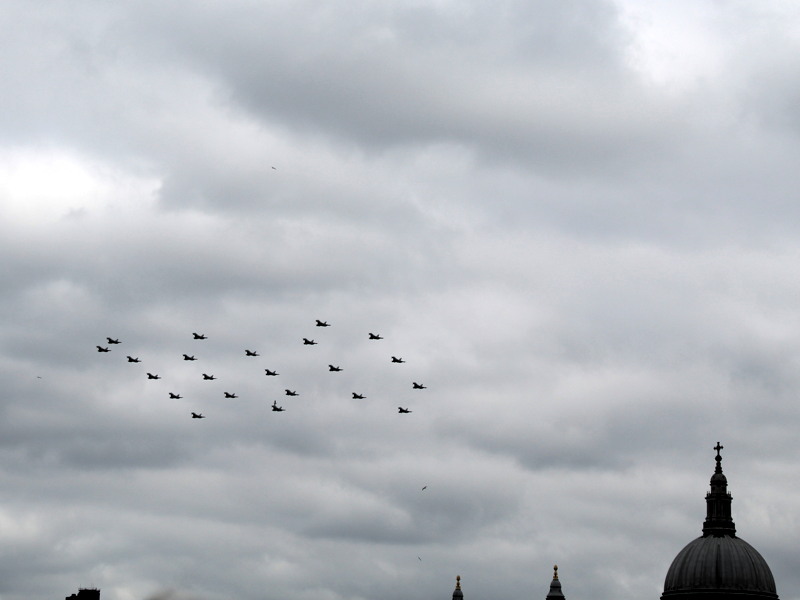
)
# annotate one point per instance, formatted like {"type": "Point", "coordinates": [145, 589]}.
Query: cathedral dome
{"type": "Point", "coordinates": [718, 565]}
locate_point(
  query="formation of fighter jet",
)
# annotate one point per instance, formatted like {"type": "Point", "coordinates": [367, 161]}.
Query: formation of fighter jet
{"type": "Point", "coordinates": [267, 372]}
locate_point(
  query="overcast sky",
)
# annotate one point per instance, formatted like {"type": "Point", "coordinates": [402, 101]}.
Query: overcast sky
{"type": "Point", "coordinates": [576, 222]}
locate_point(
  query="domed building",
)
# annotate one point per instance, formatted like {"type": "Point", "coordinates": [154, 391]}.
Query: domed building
{"type": "Point", "coordinates": [719, 565]}
{"type": "Point", "coordinates": [716, 566]}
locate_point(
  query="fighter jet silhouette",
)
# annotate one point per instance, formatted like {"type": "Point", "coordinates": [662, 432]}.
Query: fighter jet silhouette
{"type": "Point", "coordinates": [199, 336]}
{"type": "Point", "coordinates": [322, 323]}
{"type": "Point", "coordinates": [112, 341]}
{"type": "Point", "coordinates": [229, 395]}
{"type": "Point", "coordinates": [269, 373]}
{"type": "Point", "coordinates": [309, 342]}
{"type": "Point", "coordinates": [291, 393]}
{"type": "Point", "coordinates": [358, 396]}
{"type": "Point", "coordinates": [187, 357]}
{"type": "Point", "coordinates": [131, 359]}
{"type": "Point", "coordinates": [418, 386]}
{"type": "Point", "coordinates": [375, 336]}
{"type": "Point", "coordinates": [101, 349]}
{"type": "Point", "coordinates": [276, 408]}
{"type": "Point", "coordinates": [197, 415]}
{"type": "Point", "coordinates": [400, 409]}
{"type": "Point", "coordinates": [174, 396]}
{"type": "Point", "coordinates": [208, 377]}
{"type": "Point", "coordinates": [151, 376]}
{"type": "Point", "coordinates": [397, 360]}
{"type": "Point", "coordinates": [250, 353]}
{"type": "Point", "coordinates": [335, 369]}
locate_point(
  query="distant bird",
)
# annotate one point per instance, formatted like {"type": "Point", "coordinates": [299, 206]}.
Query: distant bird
{"type": "Point", "coordinates": [187, 357]}
{"type": "Point", "coordinates": [418, 386]}
{"type": "Point", "coordinates": [131, 359]}
{"type": "Point", "coordinates": [291, 393]}
{"type": "Point", "coordinates": [397, 360]}
{"type": "Point", "coordinates": [197, 415]}
{"type": "Point", "coordinates": [269, 373]}
{"type": "Point", "coordinates": [274, 168]}
{"type": "Point", "coordinates": [358, 396]}
{"type": "Point", "coordinates": [101, 349]}
{"type": "Point", "coordinates": [174, 396]}
{"type": "Point", "coordinates": [229, 395]}
{"type": "Point", "coordinates": [419, 559]}
{"type": "Point", "coordinates": [276, 408]}
{"type": "Point", "coordinates": [322, 323]}
{"type": "Point", "coordinates": [424, 487]}
{"type": "Point", "coordinates": [151, 376]}
{"type": "Point", "coordinates": [375, 336]}
{"type": "Point", "coordinates": [208, 377]}
{"type": "Point", "coordinates": [199, 336]}
{"type": "Point", "coordinates": [308, 342]}
{"type": "Point", "coordinates": [335, 369]}
{"type": "Point", "coordinates": [113, 341]}
{"type": "Point", "coordinates": [400, 409]}
{"type": "Point", "coordinates": [250, 353]}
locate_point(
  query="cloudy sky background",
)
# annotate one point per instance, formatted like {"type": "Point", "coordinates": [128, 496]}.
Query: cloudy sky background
{"type": "Point", "coordinates": [577, 222]}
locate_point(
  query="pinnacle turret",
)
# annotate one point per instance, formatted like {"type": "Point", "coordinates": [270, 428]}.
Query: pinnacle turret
{"type": "Point", "coordinates": [555, 587]}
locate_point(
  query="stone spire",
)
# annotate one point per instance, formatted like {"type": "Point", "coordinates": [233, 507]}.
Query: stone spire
{"type": "Point", "coordinates": [555, 586]}
{"type": "Point", "coordinates": [718, 503]}
{"type": "Point", "coordinates": [457, 593]}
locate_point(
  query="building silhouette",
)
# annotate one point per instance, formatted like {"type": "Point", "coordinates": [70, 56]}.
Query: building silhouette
{"type": "Point", "coordinates": [85, 594]}
{"type": "Point", "coordinates": [719, 565]}
{"type": "Point", "coordinates": [716, 566]}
